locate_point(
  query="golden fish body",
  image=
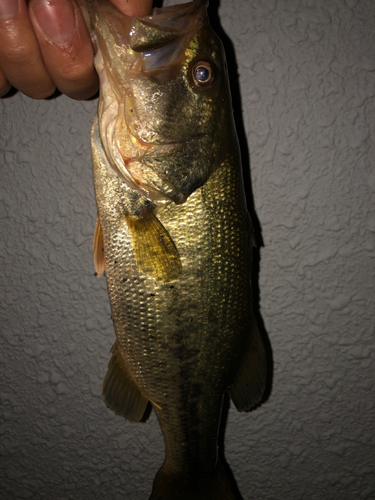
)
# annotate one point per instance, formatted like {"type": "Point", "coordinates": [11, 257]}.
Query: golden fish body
{"type": "Point", "coordinates": [173, 224]}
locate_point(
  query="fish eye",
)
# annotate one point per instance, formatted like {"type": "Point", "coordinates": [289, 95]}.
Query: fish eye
{"type": "Point", "coordinates": [203, 75]}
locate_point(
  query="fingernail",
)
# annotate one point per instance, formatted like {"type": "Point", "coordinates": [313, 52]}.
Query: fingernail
{"type": "Point", "coordinates": [8, 8]}
{"type": "Point", "coordinates": [56, 18]}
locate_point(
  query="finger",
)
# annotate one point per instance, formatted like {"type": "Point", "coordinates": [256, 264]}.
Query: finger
{"type": "Point", "coordinates": [65, 46]}
{"type": "Point", "coordinates": [5, 86]}
{"type": "Point", "coordinates": [134, 8]}
{"type": "Point", "coordinates": [20, 59]}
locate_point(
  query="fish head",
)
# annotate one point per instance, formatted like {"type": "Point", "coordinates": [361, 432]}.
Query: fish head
{"type": "Point", "coordinates": [165, 107]}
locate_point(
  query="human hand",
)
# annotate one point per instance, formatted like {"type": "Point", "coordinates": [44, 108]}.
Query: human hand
{"type": "Point", "coordinates": [44, 45]}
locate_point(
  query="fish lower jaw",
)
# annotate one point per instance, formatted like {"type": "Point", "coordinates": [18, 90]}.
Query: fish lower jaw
{"type": "Point", "coordinates": [158, 146]}
{"type": "Point", "coordinates": [153, 190]}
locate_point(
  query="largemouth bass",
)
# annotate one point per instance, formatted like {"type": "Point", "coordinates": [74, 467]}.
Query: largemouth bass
{"type": "Point", "coordinates": [174, 237]}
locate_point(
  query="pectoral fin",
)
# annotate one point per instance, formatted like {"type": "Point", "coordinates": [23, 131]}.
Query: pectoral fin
{"type": "Point", "coordinates": [120, 392]}
{"type": "Point", "coordinates": [249, 383]}
{"type": "Point", "coordinates": [155, 252]}
{"type": "Point", "coordinates": [98, 248]}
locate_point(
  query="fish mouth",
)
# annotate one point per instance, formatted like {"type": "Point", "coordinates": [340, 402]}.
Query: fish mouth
{"type": "Point", "coordinates": [157, 37]}
{"type": "Point", "coordinates": [139, 62]}
{"type": "Point", "coordinates": [171, 23]}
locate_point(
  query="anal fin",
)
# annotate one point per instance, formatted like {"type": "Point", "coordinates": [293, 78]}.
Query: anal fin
{"type": "Point", "coordinates": [120, 392]}
{"type": "Point", "coordinates": [249, 383]}
{"type": "Point", "coordinates": [98, 248]}
{"type": "Point", "coordinates": [155, 252]}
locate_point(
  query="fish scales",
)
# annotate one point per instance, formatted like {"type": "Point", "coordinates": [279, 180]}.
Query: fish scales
{"type": "Point", "coordinates": [176, 238]}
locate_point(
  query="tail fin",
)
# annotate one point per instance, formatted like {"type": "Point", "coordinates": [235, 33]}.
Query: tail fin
{"type": "Point", "coordinates": [217, 486]}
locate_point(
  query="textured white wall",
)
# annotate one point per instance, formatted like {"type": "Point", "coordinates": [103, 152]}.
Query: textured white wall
{"type": "Point", "coordinates": [307, 80]}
